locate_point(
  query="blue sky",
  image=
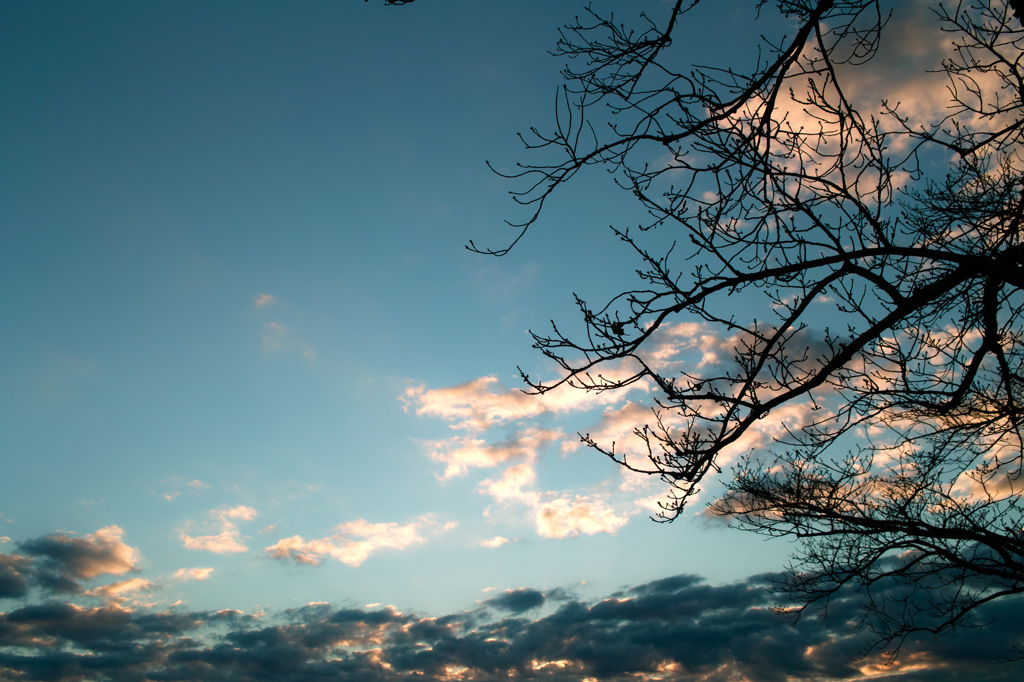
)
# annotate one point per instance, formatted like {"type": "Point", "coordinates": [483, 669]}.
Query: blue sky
{"type": "Point", "coordinates": [248, 364]}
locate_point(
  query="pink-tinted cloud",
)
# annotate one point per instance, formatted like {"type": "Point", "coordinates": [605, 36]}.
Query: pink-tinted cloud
{"type": "Point", "coordinates": [355, 541]}
{"type": "Point", "coordinates": [263, 300]}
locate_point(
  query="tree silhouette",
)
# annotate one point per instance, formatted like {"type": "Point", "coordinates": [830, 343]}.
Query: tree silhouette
{"type": "Point", "coordinates": [874, 237]}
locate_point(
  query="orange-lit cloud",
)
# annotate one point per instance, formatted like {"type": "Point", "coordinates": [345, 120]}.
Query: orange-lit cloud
{"type": "Point", "coordinates": [121, 591]}
{"type": "Point", "coordinates": [98, 553]}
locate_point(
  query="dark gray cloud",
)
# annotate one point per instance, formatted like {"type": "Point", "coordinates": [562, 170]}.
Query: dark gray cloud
{"type": "Point", "coordinates": [13, 578]}
{"type": "Point", "coordinates": [675, 628]}
{"type": "Point", "coordinates": [60, 561]}
{"type": "Point", "coordinates": [517, 601]}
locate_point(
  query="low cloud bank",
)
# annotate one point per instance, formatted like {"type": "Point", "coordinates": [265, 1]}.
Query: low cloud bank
{"type": "Point", "coordinates": [675, 628]}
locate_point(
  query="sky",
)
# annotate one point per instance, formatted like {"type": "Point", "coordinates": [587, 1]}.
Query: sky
{"type": "Point", "coordinates": [260, 411]}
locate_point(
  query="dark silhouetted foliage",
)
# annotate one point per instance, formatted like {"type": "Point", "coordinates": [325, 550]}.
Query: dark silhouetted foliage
{"type": "Point", "coordinates": [844, 224]}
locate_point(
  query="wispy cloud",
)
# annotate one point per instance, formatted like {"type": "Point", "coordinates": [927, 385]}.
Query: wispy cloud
{"type": "Point", "coordinates": [263, 300]}
{"type": "Point", "coordinates": [496, 541]}
{"type": "Point", "coordinates": [121, 591]}
{"type": "Point", "coordinates": [462, 453]}
{"type": "Point", "coordinates": [277, 336]}
{"type": "Point", "coordinates": [223, 535]}
{"type": "Point", "coordinates": [483, 403]}
{"type": "Point", "coordinates": [353, 542]}
{"type": "Point", "coordinates": [178, 481]}
{"type": "Point", "coordinates": [197, 574]}
{"type": "Point", "coordinates": [483, 413]}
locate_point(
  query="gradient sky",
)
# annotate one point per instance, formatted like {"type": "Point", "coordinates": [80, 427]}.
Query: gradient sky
{"type": "Point", "coordinates": [256, 398]}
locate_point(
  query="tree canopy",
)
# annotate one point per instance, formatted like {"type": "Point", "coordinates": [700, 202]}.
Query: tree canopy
{"type": "Point", "coordinates": [848, 235]}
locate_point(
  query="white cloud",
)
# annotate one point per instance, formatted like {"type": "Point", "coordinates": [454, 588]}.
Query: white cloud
{"type": "Point", "coordinates": [509, 486]}
{"type": "Point", "coordinates": [228, 539]}
{"type": "Point", "coordinates": [496, 541]}
{"type": "Point", "coordinates": [198, 574]}
{"type": "Point", "coordinates": [482, 403]}
{"type": "Point", "coordinates": [355, 541]}
{"type": "Point", "coordinates": [556, 515]}
{"type": "Point", "coordinates": [563, 517]}
{"type": "Point", "coordinates": [462, 453]}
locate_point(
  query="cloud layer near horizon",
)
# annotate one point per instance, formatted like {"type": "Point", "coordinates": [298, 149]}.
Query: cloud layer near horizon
{"type": "Point", "coordinates": [675, 628]}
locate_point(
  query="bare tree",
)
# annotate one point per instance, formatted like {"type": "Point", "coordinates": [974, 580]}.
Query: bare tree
{"type": "Point", "coordinates": [878, 242]}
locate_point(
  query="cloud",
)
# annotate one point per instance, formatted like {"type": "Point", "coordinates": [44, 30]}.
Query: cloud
{"type": "Point", "coordinates": [195, 484]}
{"type": "Point", "coordinates": [674, 628]}
{"type": "Point", "coordinates": [482, 403]}
{"type": "Point", "coordinates": [482, 409]}
{"type": "Point", "coordinates": [509, 486]}
{"type": "Point", "coordinates": [225, 542]}
{"type": "Point", "coordinates": [355, 541]}
{"type": "Point", "coordinates": [227, 539]}
{"type": "Point", "coordinates": [277, 336]}
{"type": "Point", "coordinates": [555, 515]}
{"type": "Point", "coordinates": [197, 574]}
{"type": "Point", "coordinates": [120, 591]}
{"type": "Point", "coordinates": [61, 560]}
{"type": "Point", "coordinates": [462, 453]}
{"type": "Point", "coordinates": [14, 575]}
{"type": "Point", "coordinates": [496, 541]}
{"type": "Point", "coordinates": [517, 601]}
{"type": "Point", "coordinates": [564, 517]}
{"type": "Point", "coordinates": [263, 300]}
